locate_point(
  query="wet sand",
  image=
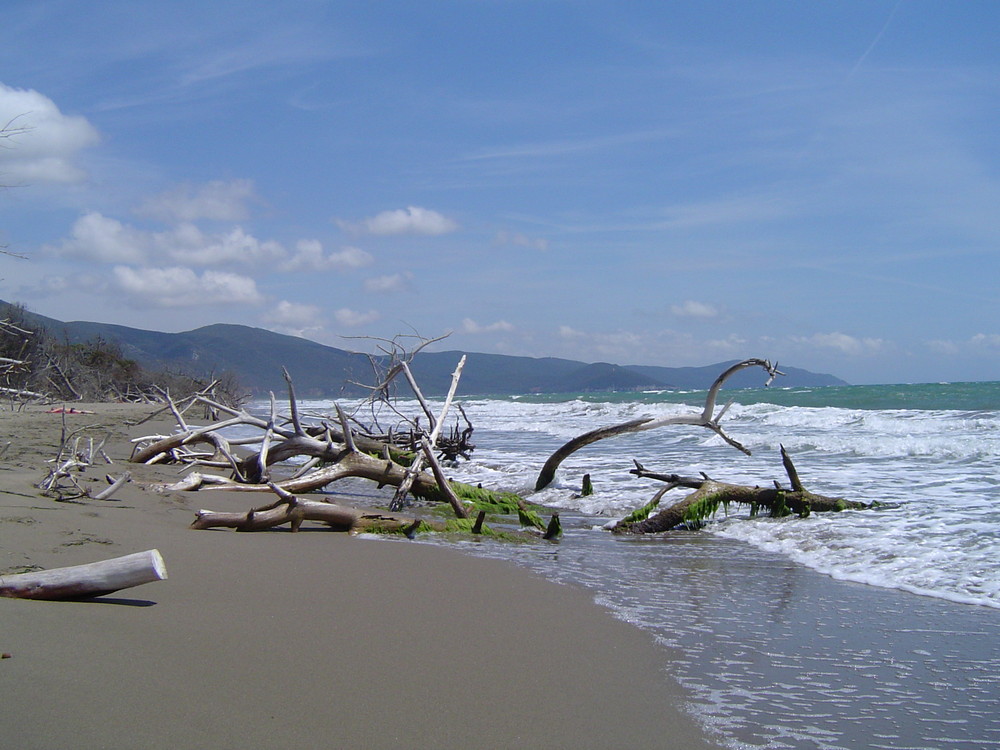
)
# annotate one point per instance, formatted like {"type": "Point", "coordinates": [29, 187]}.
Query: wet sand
{"type": "Point", "coordinates": [308, 640]}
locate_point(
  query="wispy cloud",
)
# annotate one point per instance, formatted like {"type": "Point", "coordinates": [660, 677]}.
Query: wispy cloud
{"type": "Point", "coordinates": [568, 146]}
{"type": "Point", "coordinates": [472, 327]}
{"type": "Point", "coordinates": [388, 284]}
{"type": "Point", "coordinates": [694, 309]}
{"type": "Point", "coordinates": [216, 200]}
{"type": "Point", "coordinates": [410, 220]}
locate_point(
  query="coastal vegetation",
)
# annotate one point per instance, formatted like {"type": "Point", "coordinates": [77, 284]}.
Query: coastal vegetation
{"type": "Point", "coordinates": [37, 365]}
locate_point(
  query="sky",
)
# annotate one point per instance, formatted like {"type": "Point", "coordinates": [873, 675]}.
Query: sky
{"type": "Point", "coordinates": [645, 182]}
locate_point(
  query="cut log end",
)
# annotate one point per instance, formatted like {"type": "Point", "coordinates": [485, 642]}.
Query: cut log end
{"type": "Point", "coordinates": [86, 581]}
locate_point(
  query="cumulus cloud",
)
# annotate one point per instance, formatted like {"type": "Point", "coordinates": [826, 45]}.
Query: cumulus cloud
{"type": "Point", "coordinates": [217, 200]}
{"type": "Point", "coordinates": [352, 318]}
{"type": "Point", "coordinates": [295, 319]}
{"type": "Point", "coordinates": [471, 326]}
{"type": "Point", "coordinates": [844, 343]}
{"type": "Point", "coordinates": [411, 220]}
{"type": "Point", "coordinates": [309, 256]}
{"type": "Point", "coordinates": [188, 244]}
{"type": "Point", "coordinates": [692, 309]}
{"type": "Point", "coordinates": [100, 238]}
{"type": "Point", "coordinates": [182, 287]}
{"type": "Point", "coordinates": [296, 314]}
{"type": "Point", "coordinates": [389, 284]}
{"type": "Point", "coordinates": [42, 143]}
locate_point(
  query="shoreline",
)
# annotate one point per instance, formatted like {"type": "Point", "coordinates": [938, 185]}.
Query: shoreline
{"type": "Point", "coordinates": [316, 639]}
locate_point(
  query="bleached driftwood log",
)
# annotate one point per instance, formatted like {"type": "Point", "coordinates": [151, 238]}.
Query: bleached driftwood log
{"type": "Point", "coordinates": [84, 581]}
{"type": "Point", "coordinates": [707, 419]}
{"type": "Point", "coordinates": [692, 510]}
{"type": "Point", "coordinates": [292, 510]}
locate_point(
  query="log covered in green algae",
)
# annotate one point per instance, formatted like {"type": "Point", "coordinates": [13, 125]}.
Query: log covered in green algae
{"type": "Point", "coordinates": [708, 495]}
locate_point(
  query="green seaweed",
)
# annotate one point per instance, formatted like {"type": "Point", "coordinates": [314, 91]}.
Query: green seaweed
{"type": "Point", "coordinates": [528, 517]}
{"type": "Point", "coordinates": [779, 509]}
{"type": "Point", "coordinates": [491, 501]}
{"type": "Point", "coordinates": [641, 514]}
{"type": "Point", "coordinates": [704, 508]}
{"type": "Point", "coordinates": [500, 503]}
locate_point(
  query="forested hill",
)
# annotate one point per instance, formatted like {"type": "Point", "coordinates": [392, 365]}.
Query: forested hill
{"type": "Point", "coordinates": [256, 356]}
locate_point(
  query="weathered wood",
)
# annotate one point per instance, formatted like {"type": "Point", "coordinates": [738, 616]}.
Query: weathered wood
{"type": "Point", "coordinates": [427, 444]}
{"type": "Point", "coordinates": [548, 472]}
{"type": "Point", "coordinates": [289, 509]}
{"type": "Point", "coordinates": [707, 419]}
{"type": "Point", "coordinates": [709, 494]}
{"type": "Point", "coordinates": [84, 581]}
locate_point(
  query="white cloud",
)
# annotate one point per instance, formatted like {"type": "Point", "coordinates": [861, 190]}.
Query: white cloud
{"type": "Point", "coordinates": [732, 345]}
{"type": "Point", "coordinates": [396, 282]}
{"type": "Point", "coordinates": [98, 237]}
{"type": "Point", "coordinates": [352, 318]}
{"type": "Point", "coordinates": [411, 220]}
{"type": "Point", "coordinates": [296, 319]}
{"type": "Point", "coordinates": [692, 309]}
{"type": "Point", "coordinates": [309, 256]}
{"type": "Point", "coordinates": [182, 287]}
{"type": "Point", "coordinates": [217, 200]}
{"type": "Point", "coordinates": [843, 343]}
{"type": "Point", "coordinates": [296, 314]}
{"type": "Point", "coordinates": [979, 344]}
{"type": "Point", "coordinates": [566, 332]}
{"type": "Point", "coordinates": [471, 326]}
{"type": "Point", "coordinates": [43, 142]}
{"type": "Point", "coordinates": [189, 245]}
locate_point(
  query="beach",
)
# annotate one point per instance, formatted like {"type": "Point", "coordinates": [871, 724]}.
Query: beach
{"type": "Point", "coordinates": [306, 640]}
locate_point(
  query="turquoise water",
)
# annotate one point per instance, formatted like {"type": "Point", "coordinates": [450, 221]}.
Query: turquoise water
{"type": "Point", "coordinates": [921, 396]}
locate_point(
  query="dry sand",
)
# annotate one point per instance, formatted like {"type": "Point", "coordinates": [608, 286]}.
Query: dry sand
{"type": "Point", "coordinates": [313, 640]}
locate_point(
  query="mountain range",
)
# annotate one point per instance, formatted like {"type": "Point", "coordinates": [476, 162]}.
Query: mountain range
{"type": "Point", "coordinates": [257, 355]}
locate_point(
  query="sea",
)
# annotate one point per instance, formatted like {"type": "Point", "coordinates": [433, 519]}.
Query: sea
{"type": "Point", "coordinates": [874, 628]}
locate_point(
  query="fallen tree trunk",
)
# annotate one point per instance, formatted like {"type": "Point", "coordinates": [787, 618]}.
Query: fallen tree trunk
{"type": "Point", "coordinates": [292, 510]}
{"type": "Point", "coordinates": [84, 581]}
{"type": "Point", "coordinates": [709, 494]}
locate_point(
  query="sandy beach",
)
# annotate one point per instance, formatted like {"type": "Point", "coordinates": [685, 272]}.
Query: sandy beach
{"type": "Point", "coordinates": [308, 640]}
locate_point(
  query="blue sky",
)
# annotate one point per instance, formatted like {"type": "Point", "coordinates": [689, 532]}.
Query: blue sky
{"type": "Point", "coordinates": [668, 183]}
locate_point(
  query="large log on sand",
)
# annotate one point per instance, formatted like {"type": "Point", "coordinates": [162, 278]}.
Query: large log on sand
{"type": "Point", "coordinates": [84, 581]}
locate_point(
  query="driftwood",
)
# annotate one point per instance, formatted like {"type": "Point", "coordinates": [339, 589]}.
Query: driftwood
{"type": "Point", "coordinates": [709, 494]}
{"type": "Point", "coordinates": [292, 510]}
{"type": "Point", "coordinates": [335, 449]}
{"type": "Point", "coordinates": [84, 581]}
{"type": "Point", "coordinates": [707, 419]}
{"type": "Point", "coordinates": [77, 452]}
